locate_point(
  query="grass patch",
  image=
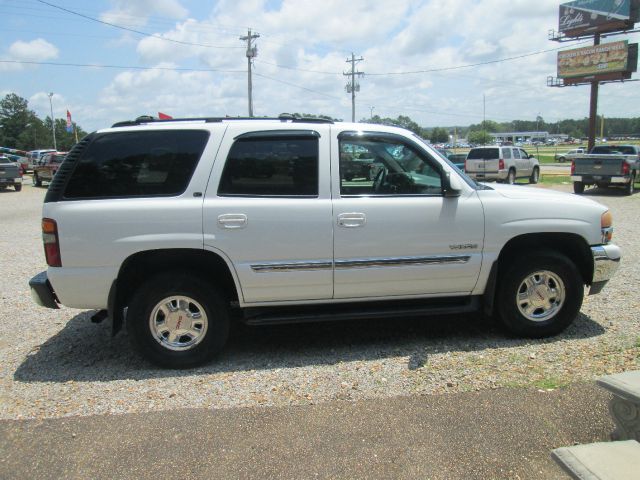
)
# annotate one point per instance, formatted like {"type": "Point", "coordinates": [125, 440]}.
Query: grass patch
{"type": "Point", "coordinates": [550, 383]}
{"type": "Point", "coordinates": [555, 179]}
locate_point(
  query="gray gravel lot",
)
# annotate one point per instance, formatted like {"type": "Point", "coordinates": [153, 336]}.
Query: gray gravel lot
{"type": "Point", "coordinates": [57, 363]}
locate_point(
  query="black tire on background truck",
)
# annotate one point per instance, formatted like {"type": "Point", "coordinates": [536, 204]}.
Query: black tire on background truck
{"type": "Point", "coordinates": [630, 187]}
{"type": "Point", "coordinates": [578, 187]}
{"type": "Point", "coordinates": [36, 180]}
{"type": "Point", "coordinates": [539, 295]}
{"type": "Point", "coordinates": [17, 186]}
{"type": "Point", "coordinates": [178, 320]}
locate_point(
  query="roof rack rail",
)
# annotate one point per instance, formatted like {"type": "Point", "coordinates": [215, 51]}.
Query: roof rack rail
{"type": "Point", "coordinates": [282, 117]}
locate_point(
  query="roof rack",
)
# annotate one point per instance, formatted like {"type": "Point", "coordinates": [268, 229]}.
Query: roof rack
{"type": "Point", "coordinates": [283, 117]}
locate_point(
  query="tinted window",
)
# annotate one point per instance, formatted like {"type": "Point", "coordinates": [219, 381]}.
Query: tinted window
{"type": "Point", "coordinates": [506, 152]}
{"type": "Point", "coordinates": [271, 166]}
{"type": "Point", "coordinates": [135, 164]}
{"type": "Point", "coordinates": [516, 153]}
{"type": "Point", "coordinates": [385, 165]}
{"type": "Point", "coordinates": [483, 154]}
{"type": "Point", "coordinates": [524, 154]}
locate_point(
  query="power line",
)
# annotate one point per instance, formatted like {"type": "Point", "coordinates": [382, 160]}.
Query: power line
{"type": "Point", "coordinates": [121, 67]}
{"type": "Point", "coordinates": [297, 86]}
{"type": "Point", "coordinates": [488, 62]}
{"type": "Point", "coordinates": [139, 32]}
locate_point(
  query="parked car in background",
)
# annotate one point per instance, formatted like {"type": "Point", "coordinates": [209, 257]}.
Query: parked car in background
{"type": "Point", "coordinates": [502, 164]}
{"type": "Point", "coordinates": [607, 166]}
{"type": "Point", "coordinates": [10, 174]}
{"type": "Point", "coordinates": [456, 158]}
{"type": "Point", "coordinates": [47, 167]}
{"type": "Point", "coordinates": [35, 156]}
{"type": "Point", "coordinates": [570, 155]}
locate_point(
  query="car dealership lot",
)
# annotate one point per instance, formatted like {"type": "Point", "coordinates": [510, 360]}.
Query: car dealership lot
{"type": "Point", "coordinates": [58, 363]}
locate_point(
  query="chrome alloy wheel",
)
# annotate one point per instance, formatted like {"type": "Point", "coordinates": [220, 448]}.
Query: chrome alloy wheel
{"type": "Point", "coordinates": [178, 323]}
{"type": "Point", "coordinates": [540, 296]}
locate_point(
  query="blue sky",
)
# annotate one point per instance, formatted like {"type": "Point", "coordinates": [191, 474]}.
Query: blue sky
{"type": "Point", "coordinates": [302, 50]}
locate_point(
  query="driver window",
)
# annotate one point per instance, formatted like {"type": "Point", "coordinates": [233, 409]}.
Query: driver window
{"type": "Point", "coordinates": [383, 165]}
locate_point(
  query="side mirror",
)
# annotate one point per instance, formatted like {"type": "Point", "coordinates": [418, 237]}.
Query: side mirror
{"type": "Point", "coordinates": [452, 185]}
{"type": "Point", "coordinates": [532, 156]}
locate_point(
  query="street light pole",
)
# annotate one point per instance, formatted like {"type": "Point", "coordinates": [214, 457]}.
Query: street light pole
{"type": "Point", "coordinates": [371, 109]}
{"type": "Point", "coordinates": [53, 123]}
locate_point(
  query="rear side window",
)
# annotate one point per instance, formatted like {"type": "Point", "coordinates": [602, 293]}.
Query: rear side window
{"type": "Point", "coordinates": [278, 166]}
{"type": "Point", "coordinates": [483, 154]}
{"type": "Point", "coordinates": [137, 164]}
{"type": "Point", "coordinates": [507, 153]}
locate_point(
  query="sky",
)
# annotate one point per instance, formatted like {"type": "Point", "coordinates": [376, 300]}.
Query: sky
{"type": "Point", "coordinates": [185, 58]}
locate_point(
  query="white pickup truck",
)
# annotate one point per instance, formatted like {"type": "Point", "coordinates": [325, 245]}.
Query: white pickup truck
{"type": "Point", "coordinates": [175, 227]}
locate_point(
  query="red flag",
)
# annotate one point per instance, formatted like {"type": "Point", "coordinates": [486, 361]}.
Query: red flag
{"type": "Point", "coordinates": [164, 116]}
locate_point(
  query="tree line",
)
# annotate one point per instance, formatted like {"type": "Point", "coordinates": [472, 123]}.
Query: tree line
{"type": "Point", "coordinates": [22, 129]}
{"type": "Point", "coordinates": [613, 127]}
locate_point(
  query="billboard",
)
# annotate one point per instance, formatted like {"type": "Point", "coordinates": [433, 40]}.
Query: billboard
{"type": "Point", "coordinates": [586, 17]}
{"type": "Point", "coordinates": [615, 60]}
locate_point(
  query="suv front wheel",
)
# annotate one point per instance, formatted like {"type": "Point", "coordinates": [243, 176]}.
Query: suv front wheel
{"type": "Point", "coordinates": [178, 320]}
{"type": "Point", "coordinates": [540, 295]}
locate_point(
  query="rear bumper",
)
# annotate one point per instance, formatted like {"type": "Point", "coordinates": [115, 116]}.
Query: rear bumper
{"type": "Point", "coordinates": [606, 260]}
{"type": "Point", "coordinates": [489, 175]}
{"type": "Point", "coordinates": [10, 181]}
{"type": "Point", "coordinates": [42, 291]}
{"type": "Point", "coordinates": [591, 179]}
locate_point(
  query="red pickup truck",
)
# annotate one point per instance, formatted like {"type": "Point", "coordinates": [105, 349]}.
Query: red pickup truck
{"type": "Point", "coordinates": [47, 167]}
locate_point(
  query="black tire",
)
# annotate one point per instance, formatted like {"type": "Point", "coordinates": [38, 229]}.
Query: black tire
{"type": "Point", "coordinates": [567, 278]}
{"type": "Point", "coordinates": [202, 295]}
{"type": "Point", "coordinates": [561, 159]}
{"type": "Point", "coordinates": [37, 181]}
{"type": "Point", "coordinates": [578, 187]}
{"type": "Point", "coordinates": [630, 187]}
{"type": "Point", "coordinates": [535, 175]}
{"type": "Point", "coordinates": [511, 176]}
{"type": "Point", "coordinates": [17, 186]}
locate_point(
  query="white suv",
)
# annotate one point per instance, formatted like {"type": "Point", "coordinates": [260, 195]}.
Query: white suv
{"type": "Point", "coordinates": [171, 226]}
{"type": "Point", "coordinates": [504, 164]}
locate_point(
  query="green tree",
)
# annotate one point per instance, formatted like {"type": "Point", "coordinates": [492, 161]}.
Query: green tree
{"type": "Point", "coordinates": [481, 137]}
{"type": "Point", "coordinates": [439, 135]}
{"type": "Point", "coordinates": [14, 117]}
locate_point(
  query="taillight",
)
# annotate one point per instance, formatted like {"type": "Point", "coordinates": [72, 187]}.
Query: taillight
{"type": "Point", "coordinates": [51, 243]}
{"type": "Point", "coordinates": [501, 164]}
{"type": "Point", "coordinates": [625, 168]}
{"type": "Point", "coordinates": [573, 167]}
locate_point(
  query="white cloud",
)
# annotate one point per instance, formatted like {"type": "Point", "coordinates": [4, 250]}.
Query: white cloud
{"type": "Point", "coordinates": [135, 13]}
{"type": "Point", "coordinates": [38, 50]}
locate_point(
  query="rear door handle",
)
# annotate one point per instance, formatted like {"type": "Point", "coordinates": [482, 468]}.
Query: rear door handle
{"type": "Point", "coordinates": [352, 220]}
{"type": "Point", "coordinates": [232, 220]}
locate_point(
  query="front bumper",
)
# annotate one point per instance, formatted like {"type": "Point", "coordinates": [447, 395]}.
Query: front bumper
{"type": "Point", "coordinates": [42, 291]}
{"type": "Point", "coordinates": [606, 260]}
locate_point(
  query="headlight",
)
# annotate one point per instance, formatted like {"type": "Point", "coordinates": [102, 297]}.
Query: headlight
{"type": "Point", "coordinates": [606, 226]}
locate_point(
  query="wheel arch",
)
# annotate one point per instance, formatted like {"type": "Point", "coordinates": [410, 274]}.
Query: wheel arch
{"type": "Point", "coordinates": [142, 265]}
{"type": "Point", "coordinates": [573, 246]}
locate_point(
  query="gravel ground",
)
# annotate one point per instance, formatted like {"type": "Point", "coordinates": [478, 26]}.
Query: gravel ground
{"type": "Point", "coordinates": [57, 363]}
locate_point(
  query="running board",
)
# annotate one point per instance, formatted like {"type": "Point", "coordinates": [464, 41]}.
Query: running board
{"type": "Point", "coordinates": [360, 311]}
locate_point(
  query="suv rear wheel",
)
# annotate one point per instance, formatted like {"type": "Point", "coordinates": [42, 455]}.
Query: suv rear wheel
{"type": "Point", "coordinates": [511, 176]}
{"type": "Point", "coordinates": [178, 320]}
{"type": "Point", "coordinates": [630, 187]}
{"type": "Point", "coordinates": [540, 295]}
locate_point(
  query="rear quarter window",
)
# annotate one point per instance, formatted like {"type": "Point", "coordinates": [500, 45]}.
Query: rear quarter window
{"type": "Point", "coordinates": [137, 164]}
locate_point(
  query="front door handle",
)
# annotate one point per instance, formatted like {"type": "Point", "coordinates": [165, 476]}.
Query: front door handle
{"type": "Point", "coordinates": [352, 220]}
{"type": "Point", "coordinates": [232, 220]}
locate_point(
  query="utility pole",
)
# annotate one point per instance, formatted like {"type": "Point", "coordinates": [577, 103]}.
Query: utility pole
{"type": "Point", "coordinates": [252, 52]}
{"type": "Point", "coordinates": [371, 111]}
{"type": "Point", "coordinates": [53, 122]}
{"type": "Point", "coordinates": [352, 87]}
{"type": "Point", "coordinates": [593, 105]}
